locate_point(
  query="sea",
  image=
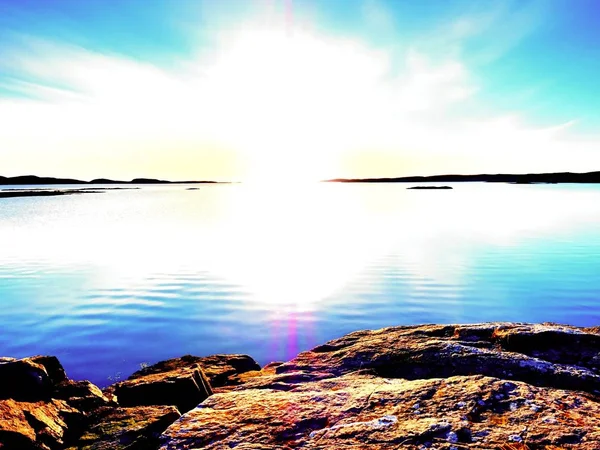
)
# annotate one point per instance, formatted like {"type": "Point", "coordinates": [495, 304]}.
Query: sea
{"type": "Point", "coordinates": [110, 282]}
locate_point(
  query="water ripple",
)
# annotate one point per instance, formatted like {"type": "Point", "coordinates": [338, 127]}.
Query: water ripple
{"type": "Point", "coordinates": [232, 280]}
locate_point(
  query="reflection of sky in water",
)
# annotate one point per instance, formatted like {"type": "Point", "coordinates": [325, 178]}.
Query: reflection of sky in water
{"type": "Point", "coordinates": [111, 280]}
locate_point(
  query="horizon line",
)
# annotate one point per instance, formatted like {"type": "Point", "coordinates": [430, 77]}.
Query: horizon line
{"type": "Point", "coordinates": [594, 176]}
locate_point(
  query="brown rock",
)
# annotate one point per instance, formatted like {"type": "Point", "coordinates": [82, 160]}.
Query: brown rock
{"type": "Point", "coordinates": [431, 386]}
{"type": "Point", "coordinates": [82, 395]}
{"type": "Point", "coordinates": [413, 387]}
{"type": "Point", "coordinates": [53, 367]}
{"type": "Point", "coordinates": [543, 355]}
{"type": "Point", "coordinates": [219, 369]}
{"type": "Point", "coordinates": [48, 411]}
{"type": "Point", "coordinates": [24, 379]}
{"type": "Point", "coordinates": [236, 380]}
{"type": "Point", "coordinates": [126, 428]}
{"type": "Point", "coordinates": [183, 382]}
{"type": "Point", "coordinates": [370, 412]}
{"type": "Point", "coordinates": [37, 425]}
{"type": "Point", "coordinates": [181, 388]}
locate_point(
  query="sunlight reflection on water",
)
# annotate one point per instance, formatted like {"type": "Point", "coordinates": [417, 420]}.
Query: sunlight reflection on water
{"type": "Point", "coordinates": [107, 281]}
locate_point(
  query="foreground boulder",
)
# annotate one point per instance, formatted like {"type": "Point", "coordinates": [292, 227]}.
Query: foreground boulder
{"type": "Point", "coordinates": [220, 370]}
{"type": "Point", "coordinates": [42, 425]}
{"type": "Point", "coordinates": [126, 428]}
{"type": "Point", "coordinates": [42, 409]}
{"type": "Point", "coordinates": [489, 386]}
{"type": "Point", "coordinates": [370, 412]}
{"type": "Point", "coordinates": [544, 355]}
{"type": "Point", "coordinates": [31, 415]}
{"type": "Point", "coordinates": [183, 382]}
{"type": "Point", "coordinates": [29, 379]}
{"type": "Point", "coordinates": [82, 395]}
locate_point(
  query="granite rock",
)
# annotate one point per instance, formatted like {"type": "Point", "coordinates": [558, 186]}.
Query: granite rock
{"type": "Point", "coordinates": [183, 382]}
{"type": "Point", "coordinates": [116, 428]}
{"type": "Point", "coordinates": [364, 411]}
{"type": "Point", "coordinates": [542, 354]}
{"type": "Point", "coordinates": [82, 395]}
{"type": "Point", "coordinates": [25, 379]}
{"type": "Point", "coordinates": [487, 386]}
{"type": "Point", "coordinates": [41, 425]}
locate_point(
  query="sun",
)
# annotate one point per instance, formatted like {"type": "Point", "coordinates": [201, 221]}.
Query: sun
{"type": "Point", "coordinates": [287, 166]}
{"type": "Point", "coordinates": [283, 102]}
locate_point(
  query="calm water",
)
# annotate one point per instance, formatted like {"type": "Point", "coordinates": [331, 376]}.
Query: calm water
{"type": "Point", "coordinates": [110, 281]}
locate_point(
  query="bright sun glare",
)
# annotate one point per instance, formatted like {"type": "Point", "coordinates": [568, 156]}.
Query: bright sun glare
{"type": "Point", "coordinates": [288, 89]}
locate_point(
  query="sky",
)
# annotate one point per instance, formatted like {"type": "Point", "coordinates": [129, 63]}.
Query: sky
{"type": "Point", "coordinates": [297, 90]}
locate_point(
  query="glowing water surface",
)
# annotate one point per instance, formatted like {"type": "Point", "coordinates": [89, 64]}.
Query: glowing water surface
{"type": "Point", "coordinates": [109, 281]}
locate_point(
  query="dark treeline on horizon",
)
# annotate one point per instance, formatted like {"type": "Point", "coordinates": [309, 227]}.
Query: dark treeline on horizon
{"type": "Point", "coordinates": [35, 180]}
{"type": "Point", "coordinates": [557, 177]}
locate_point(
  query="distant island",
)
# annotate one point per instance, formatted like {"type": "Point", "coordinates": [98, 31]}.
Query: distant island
{"type": "Point", "coordinates": [530, 178]}
{"type": "Point", "coordinates": [35, 180]}
{"type": "Point", "coordinates": [44, 193]}
{"type": "Point", "coordinates": [32, 180]}
{"type": "Point", "coordinates": [41, 192]}
{"type": "Point", "coordinates": [430, 187]}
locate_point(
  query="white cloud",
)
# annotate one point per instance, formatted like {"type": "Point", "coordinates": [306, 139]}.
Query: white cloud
{"type": "Point", "coordinates": [266, 101]}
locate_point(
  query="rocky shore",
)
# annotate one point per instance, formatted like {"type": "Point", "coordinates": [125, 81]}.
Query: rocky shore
{"type": "Point", "coordinates": [488, 386]}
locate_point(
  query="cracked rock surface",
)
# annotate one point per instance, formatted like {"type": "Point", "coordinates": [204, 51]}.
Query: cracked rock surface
{"type": "Point", "coordinates": [42, 409]}
{"type": "Point", "coordinates": [486, 386]}
{"type": "Point", "coordinates": [507, 386]}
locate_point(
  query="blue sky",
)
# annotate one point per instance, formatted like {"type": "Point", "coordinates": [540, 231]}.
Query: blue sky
{"type": "Point", "coordinates": [251, 89]}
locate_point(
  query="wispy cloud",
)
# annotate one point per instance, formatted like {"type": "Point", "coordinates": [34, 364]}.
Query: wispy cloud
{"type": "Point", "coordinates": [266, 101]}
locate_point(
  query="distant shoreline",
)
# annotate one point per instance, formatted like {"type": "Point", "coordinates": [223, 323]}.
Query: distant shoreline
{"type": "Point", "coordinates": [530, 178]}
{"type": "Point", "coordinates": [40, 193]}
{"type": "Point", "coordinates": [13, 193]}
{"type": "Point", "coordinates": [34, 180]}
{"type": "Point", "coordinates": [430, 187]}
